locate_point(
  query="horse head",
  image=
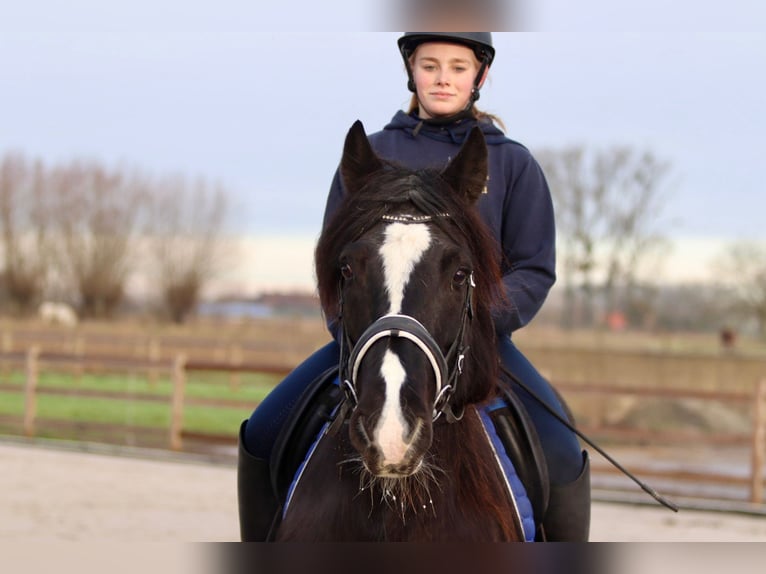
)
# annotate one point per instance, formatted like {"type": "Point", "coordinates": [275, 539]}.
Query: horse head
{"type": "Point", "coordinates": [409, 271]}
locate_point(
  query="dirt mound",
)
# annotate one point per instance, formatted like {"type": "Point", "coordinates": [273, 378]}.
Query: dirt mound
{"type": "Point", "coordinates": [686, 414]}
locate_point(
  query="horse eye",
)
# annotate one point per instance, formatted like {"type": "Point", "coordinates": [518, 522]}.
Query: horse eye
{"type": "Point", "coordinates": [460, 277]}
{"type": "Point", "coordinates": [346, 271]}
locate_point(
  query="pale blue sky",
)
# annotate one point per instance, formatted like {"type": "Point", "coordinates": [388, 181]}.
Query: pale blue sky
{"type": "Point", "coordinates": [205, 89]}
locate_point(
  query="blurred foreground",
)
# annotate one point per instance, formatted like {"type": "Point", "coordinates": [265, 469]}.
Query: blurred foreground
{"type": "Point", "coordinates": [64, 494]}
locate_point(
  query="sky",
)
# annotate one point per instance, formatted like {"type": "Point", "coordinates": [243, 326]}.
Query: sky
{"type": "Point", "coordinates": [215, 90]}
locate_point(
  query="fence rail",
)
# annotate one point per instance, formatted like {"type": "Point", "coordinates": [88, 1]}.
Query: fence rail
{"type": "Point", "coordinates": [33, 361]}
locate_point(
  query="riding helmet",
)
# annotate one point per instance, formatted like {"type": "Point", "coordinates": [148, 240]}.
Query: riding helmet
{"type": "Point", "coordinates": [480, 42]}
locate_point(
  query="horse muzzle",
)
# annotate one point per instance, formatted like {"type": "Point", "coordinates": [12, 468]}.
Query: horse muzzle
{"type": "Point", "coordinates": [390, 451]}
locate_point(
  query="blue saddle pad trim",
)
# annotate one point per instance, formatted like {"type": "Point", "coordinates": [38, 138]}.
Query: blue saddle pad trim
{"type": "Point", "coordinates": [309, 454]}
{"type": "Point", "coordinates": [299, 472]}
{"type": "Point", "coordinates": [523, 503]}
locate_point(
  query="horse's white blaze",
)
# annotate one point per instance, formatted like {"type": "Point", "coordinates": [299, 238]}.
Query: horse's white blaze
{"type": "Point", "coordinates": [391, 431]}
{"type": "Point", "coordinates": [402, 248]}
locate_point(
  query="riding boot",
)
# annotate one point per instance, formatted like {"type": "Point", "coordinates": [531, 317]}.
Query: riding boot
{"type": "Point", "coordinates": [568, 516]}
{"type": "Point", "coordinates": [257, 502]}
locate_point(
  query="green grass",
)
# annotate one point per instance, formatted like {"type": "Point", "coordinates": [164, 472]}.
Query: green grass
{"type": "Point", "coordinates": [11, 404]}
{"type": "Point", "coordinates": [103, 411]}
{"type": "Point", "coordinates": [250, 389]}
{"type": "Point", "coordinates": [214, 420]}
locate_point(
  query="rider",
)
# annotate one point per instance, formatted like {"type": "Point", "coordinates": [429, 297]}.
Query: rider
{"type": "Point", "coordinates": [445, 72]}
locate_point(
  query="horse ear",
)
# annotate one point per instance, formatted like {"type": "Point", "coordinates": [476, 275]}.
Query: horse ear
{"type": "Point", "coordinates": [359, 160]}
{"type": "Point", "coordinates": [468, 170]}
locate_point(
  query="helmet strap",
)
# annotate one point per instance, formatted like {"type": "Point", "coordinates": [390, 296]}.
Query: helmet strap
{"type": "Point", "coordinates": [477, 82]}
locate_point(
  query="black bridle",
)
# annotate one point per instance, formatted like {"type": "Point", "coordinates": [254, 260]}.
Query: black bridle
{"type": "Point", "coordinates": [447, 367]}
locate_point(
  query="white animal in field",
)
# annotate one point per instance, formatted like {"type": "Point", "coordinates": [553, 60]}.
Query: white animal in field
{"type": "Point", "coordinates": [58, 314]}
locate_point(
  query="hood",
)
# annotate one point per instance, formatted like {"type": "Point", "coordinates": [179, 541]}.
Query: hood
{"type": "Point", "coordinates": [455, 132]}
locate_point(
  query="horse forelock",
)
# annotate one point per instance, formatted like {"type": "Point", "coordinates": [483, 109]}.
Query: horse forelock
{"type": "Point", "coordinates": [397, 190]}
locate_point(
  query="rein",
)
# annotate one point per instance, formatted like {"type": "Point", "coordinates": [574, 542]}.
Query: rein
{"type": "Point", "coordinates": [645, 487]}
{"type": "Point", "coordinates": [447, 368]}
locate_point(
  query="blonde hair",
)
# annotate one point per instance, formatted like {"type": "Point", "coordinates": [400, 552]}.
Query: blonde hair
{"type": "Point", "coordinates": [475, 112]}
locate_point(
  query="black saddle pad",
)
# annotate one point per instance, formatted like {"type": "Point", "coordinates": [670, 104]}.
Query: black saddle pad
{"type": "Point", "coordinates": [313, 408]}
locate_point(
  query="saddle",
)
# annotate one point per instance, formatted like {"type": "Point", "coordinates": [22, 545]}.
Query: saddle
{"type": "Point", "coordinates": [509, 428]}
{"type": "Point", "coordinates": [518, 439]}
{"type": "Point", "coordinates": [314, 408]}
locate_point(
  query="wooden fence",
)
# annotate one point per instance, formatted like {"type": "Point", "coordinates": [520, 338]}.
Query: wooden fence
{"type": "Point", "coordinates": [34, 362]}
{"type": "Point", "coordinates": [179, 367]}
{"type": "Point", "coordinates": [754, 441]}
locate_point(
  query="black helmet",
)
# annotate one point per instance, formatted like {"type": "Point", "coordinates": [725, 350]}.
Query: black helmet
{"type": "Point", "coordinates": [480, 42]}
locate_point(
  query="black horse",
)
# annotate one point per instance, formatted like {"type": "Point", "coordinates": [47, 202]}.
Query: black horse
{"type": "Point", "coordinates": [410, 273]}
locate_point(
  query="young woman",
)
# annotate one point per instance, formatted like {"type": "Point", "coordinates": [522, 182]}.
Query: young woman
{"type": "Point", "coordinates": [445, 73]}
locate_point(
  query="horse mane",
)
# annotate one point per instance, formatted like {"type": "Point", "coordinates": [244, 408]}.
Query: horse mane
{"type": "Point", "coordinates": [396, 189]}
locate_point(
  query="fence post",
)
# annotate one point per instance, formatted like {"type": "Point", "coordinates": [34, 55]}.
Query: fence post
{"type": "Point", "coordinates": [235, 360]}
{"type": "Point", "coordinates": [30, 397]}
{"type": "Point", "coordinates": [154, 356]}
{"type": "Point", "coordinates": [79, 353]}
{"type": "Point", "coordinates": [7, 347]}
{"type": "Point", "coordinates": [759, 443]}
{"type": "Point", "coordinates": [177, 402]}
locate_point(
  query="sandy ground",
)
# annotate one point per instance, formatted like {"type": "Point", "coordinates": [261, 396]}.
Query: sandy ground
{"type": "Point", "coordinates": [55, 494]}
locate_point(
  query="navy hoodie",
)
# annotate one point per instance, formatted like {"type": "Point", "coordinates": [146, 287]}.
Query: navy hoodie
{"type": "Point", "coordinates": [517, 206]}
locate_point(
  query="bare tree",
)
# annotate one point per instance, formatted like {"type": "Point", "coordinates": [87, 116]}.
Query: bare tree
{"type": "Point", "coordinates": [97, 212]}
{"type": "Point", "coordinates": [26, 241]}
{"type": "Point", "coordinates": [608, 208]}
{"type": "Point", "coordinates": [186, 225]}
{"type": "Point", "coordinates": [741, 271]}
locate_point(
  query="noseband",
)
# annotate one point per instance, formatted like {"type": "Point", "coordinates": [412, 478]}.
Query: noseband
{"type": "Point", "coordinates": [407, 327]}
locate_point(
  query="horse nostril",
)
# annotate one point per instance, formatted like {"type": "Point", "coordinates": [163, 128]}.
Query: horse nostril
{"type": "Point", "coordinates": [417, 430]}
{"type": "Point", "coordinates": [358, 433]}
